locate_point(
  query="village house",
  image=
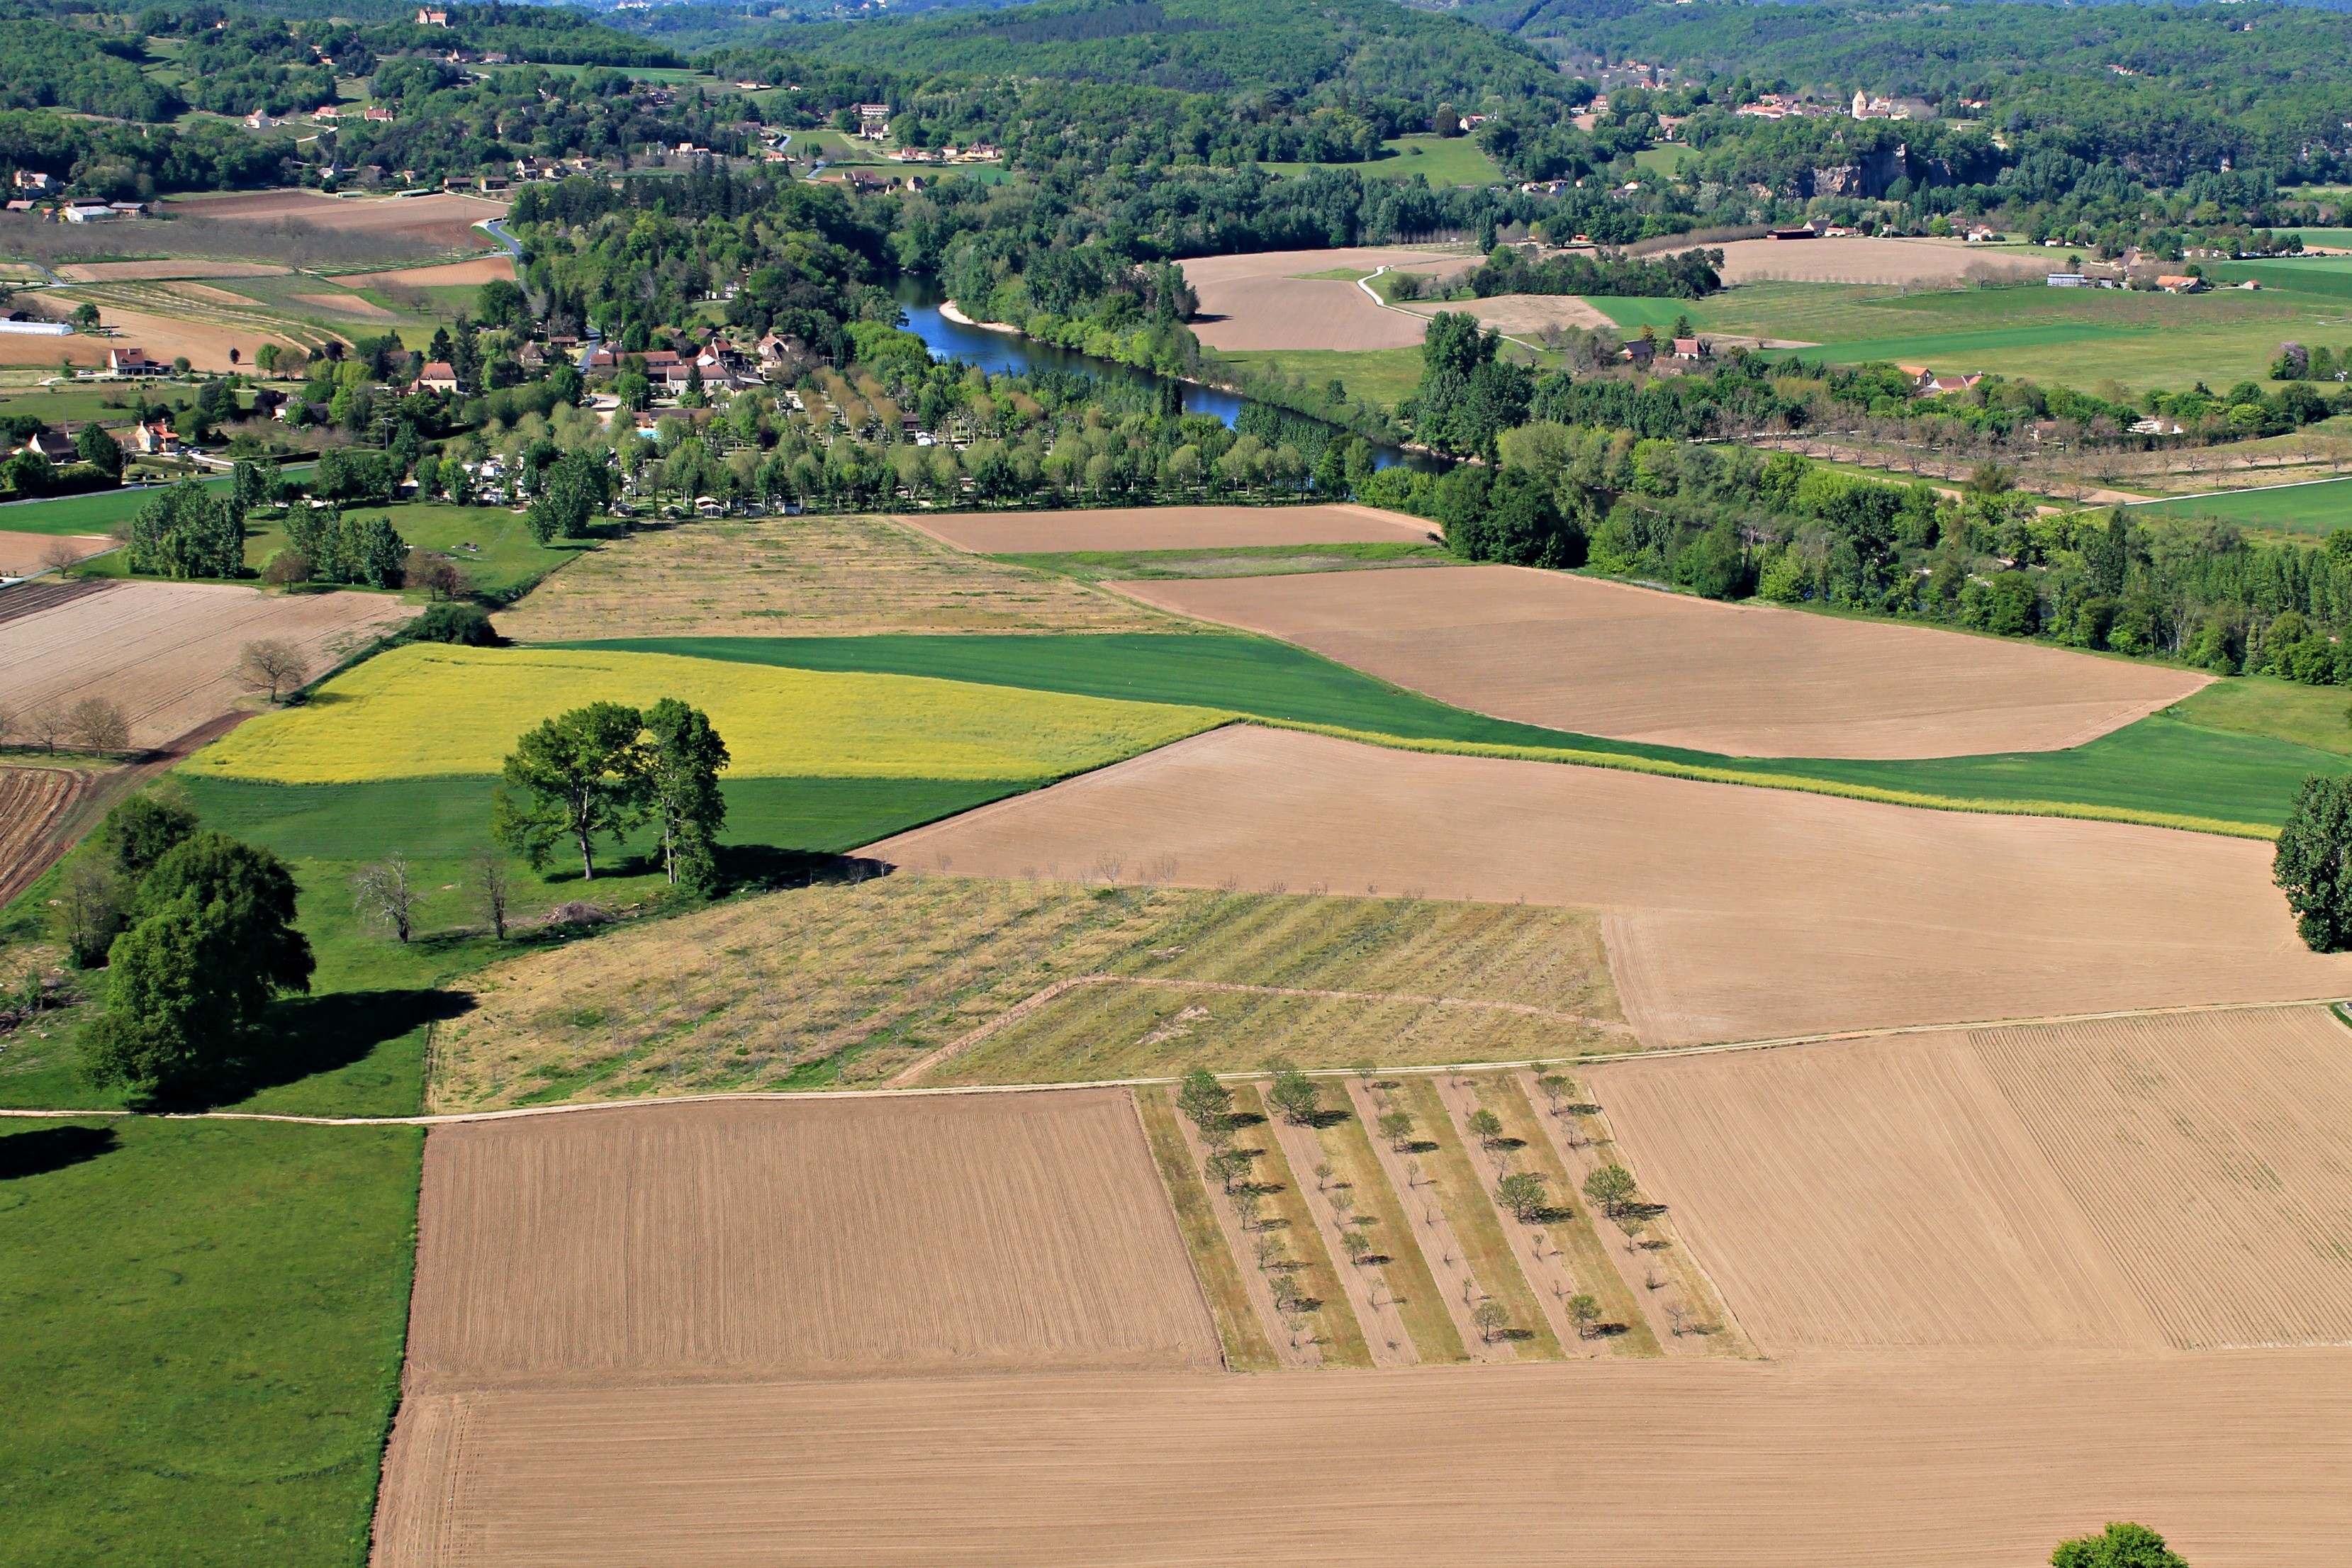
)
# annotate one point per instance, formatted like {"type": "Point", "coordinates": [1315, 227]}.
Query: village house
{"type": "Point", "coordinates": [157, 439]}
{"type": "Point", "coordinates": [50, 442]}
{"type": "Point", "coordinates": [35, 181]}
{"type": "Point", "coordinates": [379, 115]}
{"type": "Point", "coordinates": [2172, 284]}
{"type": "Point", "coordinates": [133, 361]}
{"type": "Point", "coordinates": [262, 120]}
{"type": "Point", "coordinates": [436, 376]}
{"type": "Point", "coordinates": [427, 18]}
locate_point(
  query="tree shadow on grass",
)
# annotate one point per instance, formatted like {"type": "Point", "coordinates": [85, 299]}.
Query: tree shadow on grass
{"type": "Point", "coordinates": [311, 1035]}
{"type": "Point", "coordinates": [764, 867]}
{"type": "Point", "coordinates": [48, 1149]}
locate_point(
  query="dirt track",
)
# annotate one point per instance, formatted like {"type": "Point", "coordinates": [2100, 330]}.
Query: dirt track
{"type": "Point", "coordinates": [1635, 664]}
{"type": "Point", "coordinates": [167, 652]}
{"type": "Point", "coordinates": [1271, 300]}
{"type": "Point", "coordinates": [761, 1239]}
{"type": "Point", "coordinates": [2242, 1460]}
{"type": "Point", "coordinates": [1732, 913]}
{"type": "Point", "coordinates": [1167, 528]}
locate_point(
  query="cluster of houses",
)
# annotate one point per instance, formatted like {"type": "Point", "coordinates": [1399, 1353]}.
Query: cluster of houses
{"type": "Point", "coordinates": [723, 364]}
{"type": "Point", "coordinates": [37, 192]}
{"type": "Point", "coordinates": [1866, 106]}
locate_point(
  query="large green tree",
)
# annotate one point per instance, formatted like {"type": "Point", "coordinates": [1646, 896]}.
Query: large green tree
{"type": "Point", "coordinates": [2311, 863]}
{"type": "Point", "coordinates": [2121, 1545]}
{"type": "Point", "coordinates": [214, 944]}
{"type": "Point", "coordinates": [688, 755]}
{"type": "Point", "coordinates": [582, 775]}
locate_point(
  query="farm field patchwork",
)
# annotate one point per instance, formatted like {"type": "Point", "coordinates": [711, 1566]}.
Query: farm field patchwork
{"type": "Point", "coordinates": [205, 1337]}
{"type": "Point", "coordinates": [2245, 771]}
{"type": "Point", "coordinates": [1167, 528]}
{"type": "Point", "coordinates": [430, 710]}
{"type": "Point", "coordinates": [166, 653]}
{"type": "Point", "coordinates": [940, 979]}
{"type": "Point", "coordinates": [1677, 671]}
{"type": "Point", "coordinates": [1732, 911]}
{"type": "Point", "coordinates": [2121, 1184]}
{"type": "Point", "coordinates": [831, 576]}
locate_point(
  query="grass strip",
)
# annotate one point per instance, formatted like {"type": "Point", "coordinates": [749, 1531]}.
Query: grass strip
{"type": "Point", "coordinates": [1244, 1342]}
{"type": "Point", "coordinates": [1346, 1144]}
{"type": "Point", "coordinates": [1343, 1337]}
{"type": "Point", "coordinates": [1570, 1228]}
{"type": "Point", "coordinates": [1475, 1223]}
{"type": "Point", "coordinates": [1789, 782]}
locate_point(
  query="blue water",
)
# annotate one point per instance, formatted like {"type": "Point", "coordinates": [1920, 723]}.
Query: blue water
{"type": "Point", "coordinates": [1000, 354]}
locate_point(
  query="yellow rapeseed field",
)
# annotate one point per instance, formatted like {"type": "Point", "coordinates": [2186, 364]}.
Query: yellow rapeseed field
{"type": "Point", "coordinates": [427, 710]}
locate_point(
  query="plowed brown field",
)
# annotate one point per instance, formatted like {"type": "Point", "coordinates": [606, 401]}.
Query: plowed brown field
{"type": "Point", "coordinates": [1865, 260]}
{"type": "Point", "coordinates": [2245, 1459]}
{"type": "Point", "coordinates": [453, 274]}
{"type": "Point", "coordinates": [1272, 300]}
{"type": "Point", "coordinates": [22, 555]}
{"type": "Point", "coordinates": [167, 652]}
{"type": "Point", "coordinates": [845, 1238]}
{"type": "Point", "coordinates": [442, 218]}
{"type": "Point", "coordinates": [1604, 658]}
{"type": "Point", "coordinates": [32, 801]}
{"type": "Point", "coordinates": [1167, 528]}
{"type": "Point", "coordinates": [1732, 913]}
{"type": "Point", "coordinates": [136, 271]}
{"type": "Point", "coordinates": [2127, 1183]}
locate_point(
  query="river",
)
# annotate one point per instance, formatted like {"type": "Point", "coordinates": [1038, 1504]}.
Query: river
{"type": "Point", "coordinates": [1011, 354]}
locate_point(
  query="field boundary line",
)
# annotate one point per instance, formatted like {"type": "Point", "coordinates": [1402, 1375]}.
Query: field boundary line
{"type": "Point", "coordinates": [2249, 491]}
{"type": "Point", "coordinates": [1795, 782]}
{"type": "Point", "coordinates": [1023, 1008]}
{"type": "Point", "coordinates": [1587, 1059]}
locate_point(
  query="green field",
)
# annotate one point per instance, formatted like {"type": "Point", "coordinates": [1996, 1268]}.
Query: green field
{"type": "Point", "coordinates": [1440, 160]}
{"type": "Point", "coordinates": [1384, 375]}
{"type": "Point", "coordinates": [2318, 508]}
{"type": "Point", "coordinates": [92, 513]}
{"type": "Point", "coordinates": [506, 558]}
{"type": "Point", "coordinates": [1666, 160]}
{"type": "Point", "coordinates": [205, 1332]}
{"type": "Point", "coordinates": [2317, 716]}
{"type": "Point", "coordinates": [2159, 766]}
{"type": "Point", "coordinates": [2078, 337]}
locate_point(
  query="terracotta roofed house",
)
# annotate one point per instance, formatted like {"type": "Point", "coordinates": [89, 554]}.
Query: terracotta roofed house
{"type": "Point", "coordinates": [133, 361]}
{"type": "Point", "coordinates": [436, 376]}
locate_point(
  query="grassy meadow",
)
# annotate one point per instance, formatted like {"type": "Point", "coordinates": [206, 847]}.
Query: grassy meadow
{"type": "Point", "coordinates": [1385, 376]}
{"type": "Point", "coordinates": [204, 1331]}
{"type": "Point", "coordinates": [2317, 509]}
{"type": "Point", "coordinates": [1440, 160]}
{"type": "Point", "coordinates": [2075, 336]}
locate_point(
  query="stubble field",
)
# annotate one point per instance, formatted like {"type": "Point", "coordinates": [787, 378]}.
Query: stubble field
{"type": "Point", "coordinates": [1167, 528]}
{"type": "Point", "coordinates": [808, 576]}
{"type": "Point", "coordinates": [167, 652]}
{"type": "Point", "coordinates": [1730, 912]}
{"type": "Point", "coordinates": [1605, 659]}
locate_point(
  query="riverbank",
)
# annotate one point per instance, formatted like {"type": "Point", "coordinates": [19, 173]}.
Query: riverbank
{"type": "Point", "coordinates": [948, 310]}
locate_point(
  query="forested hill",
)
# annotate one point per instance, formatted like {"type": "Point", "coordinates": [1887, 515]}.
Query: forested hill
{"type": "Point", "coordinates": [1962, 48]}
{"type": "Point", "coordinates": [1369, 48]}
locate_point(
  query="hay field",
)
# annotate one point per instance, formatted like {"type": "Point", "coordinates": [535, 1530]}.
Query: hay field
{"type": "Point", "coordinates": [33, 801]}
{"type": "Point", "coordinates": [1635, 664]}
{"type": "Point", "coordinates": [1864, 260]}
{"type": "Point", "coordinates": [22, 555]}
{"type": "Point", "coordinates": [2179, 1181]}
{"type": "Point", "coordinates": [167, 652]}
{"type": "Point", "coordinates": [1167, 528]}
{"type": "Point", "coordinates": [1272, 300]}
{"type": "Point", "coordinates": [431, 709]}
{"type": "Point", "coordinates": [2240, 1458]}
{"type": "Point", "coordinates": [848, 1237]}
{"type": "Point", "coordinates": [939, 979]}
{"type": "Point", "coordinates": [1730, 912]}
{"type": "Point", "coordinates": [442, 218]}
{"type": "Point", "coordinates": [811, 577]}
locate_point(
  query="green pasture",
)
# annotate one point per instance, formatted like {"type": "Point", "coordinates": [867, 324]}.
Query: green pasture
{"type": "Point", "coordinates": [1440, 160]}
{"type": "Point", "coordinates": [2317, 716]}
{"type": "Point", "coordinates": [2328, 276]}
{"type": "Point", "coordinates": [1666, 160]}
{"type": "Point", "coordinates": [71, 404]}
{"type": "Point", "coordinates": [2160, 765]}
{"type": "Point", "coordinates": [1631, 313]}
{"type": "Point", "coordinates": [205, 1321]}
{"type": "Point", "coordinates": [1386, 376]}
{"type": "Point", "coordinates": [97, 512]}
{"type": "Point", "coordinates": [2317, 508]}
{"type": "Point", "coordinates": [505, 556]}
